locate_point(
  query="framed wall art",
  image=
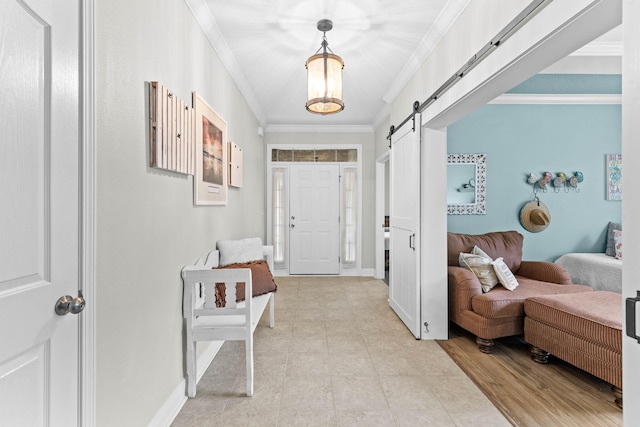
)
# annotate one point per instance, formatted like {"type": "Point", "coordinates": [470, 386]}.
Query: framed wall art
{"type": "Point", "coordinates": [171, 131]}
{"type": "Point", "coordinates": [614, 176]}
{"type": "Point", "coordinates": [210, 178]}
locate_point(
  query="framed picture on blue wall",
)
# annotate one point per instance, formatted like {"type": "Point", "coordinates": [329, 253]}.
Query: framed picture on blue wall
{"type": "Point", "coordinates": [614, 176]}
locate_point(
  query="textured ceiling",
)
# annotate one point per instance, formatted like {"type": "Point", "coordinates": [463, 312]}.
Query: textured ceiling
{"type": "Point", "coordinates": [265, 44]}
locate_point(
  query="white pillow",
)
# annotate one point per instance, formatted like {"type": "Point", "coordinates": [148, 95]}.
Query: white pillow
{"type": "Point", "coordinates": [481, 266]}
{"type": "Point", "coordinates": [240, 251]}
{"type": "Point", "coordinates": [477, 251]}
{"type": "Point", "coordinates": [617, 238]}
{"type": "Point", "coordinates": [505, 276]}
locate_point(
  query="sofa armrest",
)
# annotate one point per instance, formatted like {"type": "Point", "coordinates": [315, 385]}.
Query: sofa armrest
{"type": "Point", "coordinates": [544, 271]}
{"type": "Point", "coordinates": [463, 285]}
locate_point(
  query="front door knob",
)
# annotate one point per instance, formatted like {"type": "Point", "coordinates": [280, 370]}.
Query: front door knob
{"type": "Point", "coordinates": [67, 304]}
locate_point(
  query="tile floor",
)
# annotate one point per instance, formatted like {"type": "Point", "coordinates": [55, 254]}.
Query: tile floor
{"type": "Point", "coordinates": [338, 356]}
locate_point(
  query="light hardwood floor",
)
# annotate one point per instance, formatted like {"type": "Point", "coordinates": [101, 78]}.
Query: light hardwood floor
{"type": "Point", "coordinates": [531, 394]}
{"type": "Point", "coordinates": [338, 356]}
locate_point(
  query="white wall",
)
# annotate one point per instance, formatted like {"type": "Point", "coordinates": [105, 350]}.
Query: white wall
{"type": "Point", "coordinates": [631, 202]}
{"type": "Point", "coordinates": [474, 28]}
{"type": "Point", "coordinates": [147, 225]}
{"type": "Point", "coordinates": [364, 139]}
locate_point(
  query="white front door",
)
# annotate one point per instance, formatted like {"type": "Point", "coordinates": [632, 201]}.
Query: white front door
{"type": "Point", "coordinates": [404, 225]}
{"type": "Point", "coordinates": [314, 215]}
{"type": "Point", "coordinates": [39, 211]}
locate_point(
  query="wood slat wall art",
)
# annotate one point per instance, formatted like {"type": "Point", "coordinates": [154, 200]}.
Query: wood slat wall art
{"type": "Point", "coordinates": [235, 165]}
{"type": "Point", "coordinates": [172, 131]}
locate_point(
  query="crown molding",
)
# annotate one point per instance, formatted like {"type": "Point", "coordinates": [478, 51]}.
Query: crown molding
{"type": "Point", "coordinates": [443, 22]}
{"type": "Point", "coordinates": [518, 98]}
{"type": "Point", "coordinates": [209, 26]}
{"type": "Point", "coordinates": [319, 128]}
{"type": "Point", "coordinates": [382, 115]}
{"type": "Point", "coordinates": [600, 49]}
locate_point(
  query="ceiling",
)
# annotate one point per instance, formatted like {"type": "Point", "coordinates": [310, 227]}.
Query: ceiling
{"type": "Point", "coordinates": [264, 45]}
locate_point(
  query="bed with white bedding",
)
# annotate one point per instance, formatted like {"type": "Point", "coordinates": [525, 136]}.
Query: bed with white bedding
{"type": "Point", "coordinates": [598, 270]}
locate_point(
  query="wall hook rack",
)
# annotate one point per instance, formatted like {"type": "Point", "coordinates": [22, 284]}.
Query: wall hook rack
{"type": "Point", "coordinates": [560, 182]}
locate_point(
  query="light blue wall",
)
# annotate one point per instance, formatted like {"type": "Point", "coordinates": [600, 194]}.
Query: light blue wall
{"type": "Point", "coordinates": [519, 139]}
{"type": "Point", "coordinates": [571, 84]}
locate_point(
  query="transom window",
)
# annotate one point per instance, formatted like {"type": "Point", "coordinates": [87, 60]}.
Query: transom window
{"type": "Point", "coordinates": [312, 155]}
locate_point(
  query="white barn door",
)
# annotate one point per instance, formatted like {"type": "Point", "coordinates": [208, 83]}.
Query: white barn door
{"type": "Point", "coordinates": [39, 213]}
{"type": "Point", "coordinates": [314, 214]}
{"type": "Point", "coordinates": [404, 225]}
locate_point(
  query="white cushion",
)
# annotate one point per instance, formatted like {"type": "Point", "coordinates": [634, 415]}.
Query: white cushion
{"type": "Point", "coordinates": [238, 251]}
{"type": "Point", "coordinates": [617, 238]}
{"type": "Point", "coordinates": [480, 264]}
{"type": "Point", "coordinates": [505, 276]}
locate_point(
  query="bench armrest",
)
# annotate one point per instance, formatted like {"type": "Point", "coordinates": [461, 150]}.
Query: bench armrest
{"type": "Point", "coordinates": [544, 271]}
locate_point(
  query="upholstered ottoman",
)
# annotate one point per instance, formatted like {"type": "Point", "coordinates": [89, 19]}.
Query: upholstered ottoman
{"type": "Point", "coordinates": [583, 329]}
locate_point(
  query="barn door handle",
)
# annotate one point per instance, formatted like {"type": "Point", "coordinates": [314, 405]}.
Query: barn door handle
{"type": "Point", "coordinates": [631, 316]}
{"type": "Point", "coordinates": [411, 242]}
{"type": "Point", "coordinates": [67, 304]}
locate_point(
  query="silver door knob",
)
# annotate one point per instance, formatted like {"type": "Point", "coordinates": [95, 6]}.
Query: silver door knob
{"type": "Point", "coordinates": [67, 304]}
{"type": "Point", "coordinates": [292, 226]}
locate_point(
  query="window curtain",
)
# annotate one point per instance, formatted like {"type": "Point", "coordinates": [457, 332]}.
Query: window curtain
{"type": "Point", "coordinates": [350, 230]}
{"type": "Point", "coordinates": [278, 206]}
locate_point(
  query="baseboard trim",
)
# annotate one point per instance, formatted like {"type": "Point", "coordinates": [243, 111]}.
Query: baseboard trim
{"type": "Point", "coordinates": [358, 272]}
{"type": "Point", "coordinates": [176, 400]}
{"type": "Point", "coordinates": [345, 272]}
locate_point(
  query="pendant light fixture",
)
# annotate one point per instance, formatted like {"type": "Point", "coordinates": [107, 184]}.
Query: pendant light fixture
{"type": "Point", "coordinates": [324, 77]}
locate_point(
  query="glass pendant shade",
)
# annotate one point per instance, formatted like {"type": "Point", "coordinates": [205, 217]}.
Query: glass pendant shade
{"type": "Point", "coordinates": [324, 83]}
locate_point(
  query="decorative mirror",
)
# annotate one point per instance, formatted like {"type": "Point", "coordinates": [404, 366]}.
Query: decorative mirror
{"type": "Point", "coordinates": [466, 184]}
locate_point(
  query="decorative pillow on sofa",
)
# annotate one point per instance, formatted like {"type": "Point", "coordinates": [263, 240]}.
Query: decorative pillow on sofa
{"type": "Point", "coordinates": [480, 264]}
{"type": "Point", "coordinates": [505, 276]}
{"type": "Point", "coordinates": [507, 244]}
{"type": "Point", "coordinates": [261, 280]}
{"type": "Point", "coordinates": [617, 238]}
{"type": "Point", "coordinates": [611, 244]}
{"type": "Point", "coordinates": [237, 251]}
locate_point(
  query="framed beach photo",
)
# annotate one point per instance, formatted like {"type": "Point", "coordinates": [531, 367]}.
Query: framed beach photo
{"type": "Point", "coordinates": [210, 178]}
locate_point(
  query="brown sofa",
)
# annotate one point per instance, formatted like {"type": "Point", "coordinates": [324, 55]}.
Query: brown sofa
{"type": "Point", "coordinates": [499, 312]}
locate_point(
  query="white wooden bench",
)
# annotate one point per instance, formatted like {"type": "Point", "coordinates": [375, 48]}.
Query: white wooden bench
{"type": "Point", "coordinates": [235, 321]}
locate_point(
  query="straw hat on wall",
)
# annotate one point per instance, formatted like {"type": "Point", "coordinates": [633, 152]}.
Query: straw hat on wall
{"type": "Point", "coordinates": [534, 216]}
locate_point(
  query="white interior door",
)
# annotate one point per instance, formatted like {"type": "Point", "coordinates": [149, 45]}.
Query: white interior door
{"type": "Point", "coordinates": [404, 225]}
{"type": "Point", "coordinates": [39, 186]}
{"type": "Point", "coordinates": [314, 215]}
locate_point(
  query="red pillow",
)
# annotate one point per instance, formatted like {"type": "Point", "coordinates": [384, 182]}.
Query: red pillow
{"type": "Point", "coordinates": [261, 280]}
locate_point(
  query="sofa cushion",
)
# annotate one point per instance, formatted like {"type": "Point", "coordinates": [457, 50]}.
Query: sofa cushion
{"type": "Point", "coordinates": [262, 282]}
{"type": "Point", "coordinates": [501, 302]}
{"type": "Point", "coordinates": [504, 275]}
{"type": "Point", "coordinates": [610, 248]}
{"type": "Point", "coordinates": [617, 238]}
{"type": "Point", "coordinates": [595, 316]}
{"type": "Point", "coordinates": [480, 264]}
{"type": "Point", "coordinates": [239, 251]}
{"type": "Point", "coordinates": [505, 244]}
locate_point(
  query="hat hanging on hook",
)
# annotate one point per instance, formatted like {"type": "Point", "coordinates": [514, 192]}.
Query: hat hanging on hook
{"type": "Point", "coordinates": [534, 216]}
